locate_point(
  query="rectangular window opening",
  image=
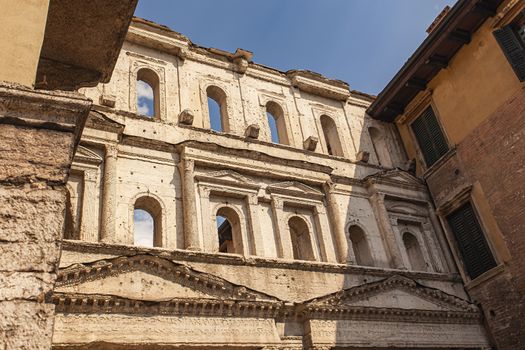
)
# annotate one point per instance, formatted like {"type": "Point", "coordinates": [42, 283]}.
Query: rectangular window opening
{"type": "Point", "coordinates": [471, 242]}
{"type": "Point", "coordinates": [430, 137]}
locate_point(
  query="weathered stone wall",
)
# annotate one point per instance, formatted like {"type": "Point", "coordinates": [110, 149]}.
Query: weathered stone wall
{"type": "Point", "coordinates": [355, 206]}
{"type": "Point", "coordinates": [38, 132]}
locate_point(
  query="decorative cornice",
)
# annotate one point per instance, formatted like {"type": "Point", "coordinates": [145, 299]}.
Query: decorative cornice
{"type": "Point", "coordinates": [109, 304]}
{"type": "Point", "coordinates": [194, 256]}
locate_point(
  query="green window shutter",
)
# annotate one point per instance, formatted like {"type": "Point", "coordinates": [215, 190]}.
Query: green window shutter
{"type": "Point", "coordinates": [473, 247]}
{"type": "Point", "coordinates": [429, 136]}
{"type": "Point", "coordinates": [512, 47]}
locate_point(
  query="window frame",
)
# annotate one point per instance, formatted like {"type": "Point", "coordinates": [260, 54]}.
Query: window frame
{"type": "Point", "coordinates": [419, 151]}
{"type": "Point", "coordinates": [463, 199]}
{"type": "Point", "coordinates": [509, 25]}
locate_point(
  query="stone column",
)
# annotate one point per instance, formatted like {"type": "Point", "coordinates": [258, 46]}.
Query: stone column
{"type": "Point", "coordinates": [436, 259]}
{"type": "Point", "coordinates": [389, 236]}
{"type": "Point", "coordinates": [323, 235]}
{"type": "Point", "coordinates": [253, 221]}
{"type": "Point", "coordinates": [39, 131]}
{"type": "Point", "coordinates": [109, 195]}
{"type": "Point", "coordinates": [89, 223]}
{"type": "Point", "coordinates": [282, 236]}
{"type": "Point", "coordinates": [209, 234]}
{"type": "Point", "coordinates": [192, 240]}
{"type": "Point", "coordinates": [338, 224]}
{"type": "Point", "coordinates": [442, 240]}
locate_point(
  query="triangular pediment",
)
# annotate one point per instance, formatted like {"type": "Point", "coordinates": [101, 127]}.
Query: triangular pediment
{"type": "Point", "coordinates": [145, 277]}
{"type": "Point", "coordinates": [398, 176]}
{"type": "Point", "coordinates": [396, 292]}
{"type": "Point", "coordinates": [293, 187]}
{"type": "Point", "coordinates": [227, 175]}
{"type": "Point", "coordinates": [84, 154]}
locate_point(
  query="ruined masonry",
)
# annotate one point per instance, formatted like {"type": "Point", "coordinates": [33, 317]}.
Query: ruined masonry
{"type": "Point", "coordinates": [328, 240]}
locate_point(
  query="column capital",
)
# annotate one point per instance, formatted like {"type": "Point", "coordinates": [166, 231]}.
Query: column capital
{"type": "Point", "coordinates": [90, 175]}
{"type": "Point", "coordinates": [277, 202]}
{"type": "Point", "coordinates": [320, 209]}
{"type": "Point", "coordinates": [253, 199]}
{"type": "Point", "coordinates": [187, 165]}
{"type": "Point", "coordinates": [204, 191]}
{"type": "Point", "coordinates": [111, 150]}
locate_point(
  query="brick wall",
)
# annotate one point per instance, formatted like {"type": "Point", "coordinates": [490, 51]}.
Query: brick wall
{"type": "Point", "coordinates": [494, 156]}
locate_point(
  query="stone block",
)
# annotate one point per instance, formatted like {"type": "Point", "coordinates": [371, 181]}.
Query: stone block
{"type": "Point", "coordinates": [186, 117]}
{"type": "Point", "coordinates": [252, 131]}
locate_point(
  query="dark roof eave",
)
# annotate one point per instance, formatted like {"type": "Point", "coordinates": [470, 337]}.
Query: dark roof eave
{"type": "Point", "coordinates": [430, 45]}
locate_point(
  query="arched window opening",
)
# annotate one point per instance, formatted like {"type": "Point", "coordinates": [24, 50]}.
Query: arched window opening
{"type": "Point", "coordinates": [380, 147]}
{"type": "Point", "coordinates": [275, 116]}
{"type": "Point", "coordinates": [301, 242]}
{"type": "Point", "coordinates": [360, 246]}
{"type": "Point", "coordinates": [413, 250]}
{"type": "Point", "coordinates": [148, 93]}
{"type": "Point", "coordinates": [147, 223]}
{"type": "Point", "coordinates": [217, 109]}
{"type": "Point", "coordinates": [331, 137]}
{"type": "Point", "coordinates": [229, 231]}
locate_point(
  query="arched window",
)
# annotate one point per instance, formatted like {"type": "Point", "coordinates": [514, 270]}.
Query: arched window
{"type": "Point", "coordinates": [415, 256]}
{"type": "Point", "coordinates": [301, 242]}
{"type": "Point", "coordinates": [148, 93]}
{"type": "Point", "coordinates": [331, 137]}
{"type": "Point", "coordinates": [380, 147]}
{"type": "Point", "coordinates": [360, 246]}
{"type": "Point", "coordinates": [275, 116]}
{"type": "Point", "coordinates": [217, 109]}
{"type": "Point", "coordinates": [147, 223]}
{"type": "Point", "coordinates": [229, 231]}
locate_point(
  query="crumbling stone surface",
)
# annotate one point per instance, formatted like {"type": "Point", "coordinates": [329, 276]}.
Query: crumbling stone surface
{"type": "Point", "coordinates": [25, 325]}
{"type": "Point", "coordinates": [29, 155]}
{"type": "Point", "coordinates": [38, 133]}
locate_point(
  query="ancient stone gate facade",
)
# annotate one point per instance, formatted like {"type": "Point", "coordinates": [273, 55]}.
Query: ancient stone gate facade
{"type": "Point", "coordinates": [329, 243]}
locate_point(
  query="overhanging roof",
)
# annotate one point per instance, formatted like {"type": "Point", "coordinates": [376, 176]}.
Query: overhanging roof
{"type": "Point", "coordinates": [82, 41]}
{"type": "Point", "coordinates": [454, 31]}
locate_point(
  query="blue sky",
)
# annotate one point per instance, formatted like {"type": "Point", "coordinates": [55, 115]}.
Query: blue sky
{"type": "Point", "coordinates": [363, 42]}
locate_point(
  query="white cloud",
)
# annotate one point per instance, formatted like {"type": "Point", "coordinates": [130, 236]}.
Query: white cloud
{"type": "Point", "coordinates": [144, 90]}
{"type": "Point", "coordinates": [143, 108]}
{"type": "Point", "coordinates": [143, 228]}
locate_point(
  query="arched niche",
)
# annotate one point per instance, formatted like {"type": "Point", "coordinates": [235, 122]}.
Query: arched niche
{"type": "Point", "coordinates": [380, 146]}
{"type": "Point", "coordinates": [360, 246]}
{"type": "Point", "coordinates": [301, 239]}
{"type": "Point", "coordinates": [414, 252]}
{"type": "Point", "coordinates": [331, 136]}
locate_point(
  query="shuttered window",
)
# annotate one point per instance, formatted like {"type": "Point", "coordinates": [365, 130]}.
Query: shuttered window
{"type": "Point", "coordinates": [510, 38]}
{"type": "Point", "coordinates": [429, 136]}
{"type": "Point", "coordinates": [473, 247]}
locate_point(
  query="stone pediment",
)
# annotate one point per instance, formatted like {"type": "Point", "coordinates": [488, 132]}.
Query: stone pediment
{"type": "Point", "coordinates": [226, 177]}
{"type": "Point", "coordinates": [85, 155]}
{"type": "Point", "coordinates": [150, 278]}
{"type": "Point", "coordinates": [396, 292]}
{"type": "Point", "coordinates": [396, 176]}
{"type": "Point", "coordinates": [294, 188]}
